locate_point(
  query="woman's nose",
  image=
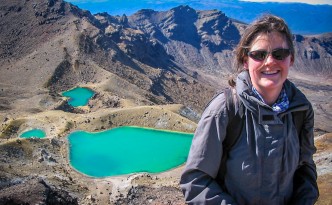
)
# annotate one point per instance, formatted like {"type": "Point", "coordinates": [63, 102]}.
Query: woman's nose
{"type": "Point", "coordinates": [269, 59]}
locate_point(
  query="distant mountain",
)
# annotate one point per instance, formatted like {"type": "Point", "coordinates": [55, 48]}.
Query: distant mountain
{"type": "Point", "coordinates": [159, 56]}
{"type": "Point", "coordinates": [302, 18]}
{"type": "Point", "coordinates": [203, 41]}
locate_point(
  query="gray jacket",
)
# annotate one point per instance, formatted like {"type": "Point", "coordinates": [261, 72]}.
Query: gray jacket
{"type": "Point", "coordinates": [269, 164]}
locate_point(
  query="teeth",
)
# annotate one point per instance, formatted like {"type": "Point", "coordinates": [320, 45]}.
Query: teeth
{"type": "Point", "coordinates": [270, 72]}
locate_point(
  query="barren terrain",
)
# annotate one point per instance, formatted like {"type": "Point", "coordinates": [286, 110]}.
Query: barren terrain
{"type": "Point", "coordinates": [150, 69]}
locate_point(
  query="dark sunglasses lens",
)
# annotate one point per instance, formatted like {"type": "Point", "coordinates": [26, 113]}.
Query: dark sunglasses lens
{"type": "Point", "coordinates": [258, 55]}
{"type": "Point", "coordinates": [280, 54]}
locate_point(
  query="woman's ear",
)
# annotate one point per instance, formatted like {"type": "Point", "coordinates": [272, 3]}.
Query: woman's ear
{"type": "Point", "coordinates": [292, 60]}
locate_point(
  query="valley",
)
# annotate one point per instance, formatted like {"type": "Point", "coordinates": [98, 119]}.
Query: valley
{"type": "Point", "coordinates": [150, 69]}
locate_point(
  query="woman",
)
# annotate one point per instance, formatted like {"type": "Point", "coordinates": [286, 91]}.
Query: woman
{"type": "Point", "coordinates": [270, 163]}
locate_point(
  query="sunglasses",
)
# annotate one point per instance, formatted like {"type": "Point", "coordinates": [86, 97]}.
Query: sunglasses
{"type": "Point", "coordinates": [278, 54]}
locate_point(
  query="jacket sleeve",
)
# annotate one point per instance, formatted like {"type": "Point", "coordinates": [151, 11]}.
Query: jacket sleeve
{"type": "Point", "coordinates": [305, 190]}
{"type": "Point", "coordinates": [198, 181]}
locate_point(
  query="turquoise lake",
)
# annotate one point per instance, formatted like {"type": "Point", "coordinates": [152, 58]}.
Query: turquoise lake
{"type": "Point", "coordinates": [78, 96]}
{"type": "Point", "coordinates": [126, 150]}
{"type": "Point", "coordinates": [37, 133]}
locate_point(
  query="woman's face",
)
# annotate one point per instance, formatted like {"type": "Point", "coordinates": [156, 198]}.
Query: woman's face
{"type": "Point", "coordinates": [268, 74]}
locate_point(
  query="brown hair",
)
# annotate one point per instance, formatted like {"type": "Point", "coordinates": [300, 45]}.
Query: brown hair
{"type": "Point", "coordinates": [266, 24]}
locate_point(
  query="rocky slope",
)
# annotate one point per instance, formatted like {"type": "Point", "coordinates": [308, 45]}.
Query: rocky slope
{"type": "Point", "coordinates": [145, 68]}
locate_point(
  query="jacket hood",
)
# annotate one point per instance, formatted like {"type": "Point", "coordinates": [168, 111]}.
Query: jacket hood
{"type": "Point", "coordinates": [244, 91]}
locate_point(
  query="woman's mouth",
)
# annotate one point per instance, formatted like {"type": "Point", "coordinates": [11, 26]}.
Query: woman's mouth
{"type": "Point", "coordinates": [270, 72]}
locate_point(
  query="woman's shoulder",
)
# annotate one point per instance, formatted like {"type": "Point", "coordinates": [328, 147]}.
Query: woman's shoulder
{"type": "Point", "coordinates": [217, 104]}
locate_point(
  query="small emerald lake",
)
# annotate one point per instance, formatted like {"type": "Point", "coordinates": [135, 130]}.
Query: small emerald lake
{"type": "Point", "coordinates": [37, 133]}
{"type": "Point", "coordinates": [126, 150]}
{"type": "Point", "coordinates": [78, 96]}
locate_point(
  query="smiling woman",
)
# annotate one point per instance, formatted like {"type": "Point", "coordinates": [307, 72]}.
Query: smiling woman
{"type": "Point", "coordinates": [272, 160]}
{"type": "Point", "coordinates": [268, 70]}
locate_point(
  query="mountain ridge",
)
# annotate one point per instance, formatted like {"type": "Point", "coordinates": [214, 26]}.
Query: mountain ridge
{"type": "Point", "coordinates": [309, 19]}
{"type": "Point", "coordinates": [155, 51]}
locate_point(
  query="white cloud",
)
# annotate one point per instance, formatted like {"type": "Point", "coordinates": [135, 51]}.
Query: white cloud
{"type": "Point", "coordinates": [297, 1]}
